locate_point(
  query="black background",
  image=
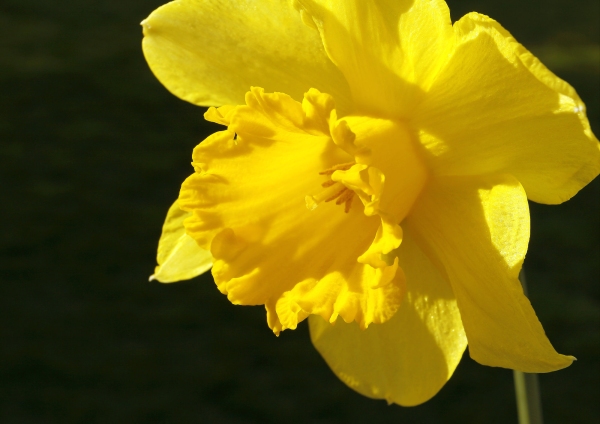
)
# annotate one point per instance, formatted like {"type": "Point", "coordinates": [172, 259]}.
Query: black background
{"type": "Point", "coordinates": [92, 152]}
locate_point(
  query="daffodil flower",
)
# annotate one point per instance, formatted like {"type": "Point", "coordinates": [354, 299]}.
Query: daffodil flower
{"type": "Point", "coordinates": [374, 166]}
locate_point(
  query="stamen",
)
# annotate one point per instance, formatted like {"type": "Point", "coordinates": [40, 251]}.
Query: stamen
{"type": "Point", "coordinates": [326, 195]}
{"type": "Point", "coordinates": [340, 167]}
{"type": "Point", "coordinates": [348, 204]}
{"type": "Point", "coordinates": [333, 190]}
{"type": "Point", "coordinates": [344, 197]}
{"type": "Point", "coordinates": [336, 195]}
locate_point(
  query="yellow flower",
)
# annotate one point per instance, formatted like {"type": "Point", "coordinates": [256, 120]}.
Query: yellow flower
{"type": "Point", "coordinates": [387, 186]}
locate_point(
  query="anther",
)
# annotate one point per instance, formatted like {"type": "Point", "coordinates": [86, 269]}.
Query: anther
{"type": "Point", "coordinates": [336, 195]}
{"type": "Point", "coordinates": [348, 204]}
{"type": "Point", "coordinates": [340, 167]}
{"type": "Point", "coordinates": [344, 197]}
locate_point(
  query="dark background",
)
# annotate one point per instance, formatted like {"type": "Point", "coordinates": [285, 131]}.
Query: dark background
{"type": "Point", "coordinates": [92, 152]}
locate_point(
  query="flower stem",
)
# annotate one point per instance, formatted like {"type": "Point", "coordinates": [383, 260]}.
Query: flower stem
{"type": "Point", "coordinates": [529, 406]}
{"type": "Point", "coordinates": [527, 389]}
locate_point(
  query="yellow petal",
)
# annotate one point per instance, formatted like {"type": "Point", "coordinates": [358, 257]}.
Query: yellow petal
{"type": "Point", "coordinates": [408, 359]}
{"type": "Point", "coordinates": [496, 108]}
{"type": "Point", "coordinates": [210, 52]}
{"type": "Point", "coordinates": [389, 51]}
{"type": "Point", "coordinates": [476, 229]}
{"type": "Point", "coordinates": [247, 200]}
{"type": "Point", "coordinates": [179, 256]}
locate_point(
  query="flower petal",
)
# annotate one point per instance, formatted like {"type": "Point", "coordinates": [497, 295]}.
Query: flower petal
{"type": "Point", "coordinates": [408, 359]}
{"type": "Point", "coordinates": [389, 51]}
{"type": "Point", "coordinates": [476, 230]}
{"type": "Point", "coordinates": [247, 200]}
{"type": "Point", "coordinates": [496, 108]}
{"type": "Point", "coordinates": [210, 52]}
{"type": "Point", "coordinates": [179, 256]}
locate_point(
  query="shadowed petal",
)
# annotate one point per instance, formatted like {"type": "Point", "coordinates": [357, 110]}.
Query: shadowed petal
{"type": "Point", "coordinates": [476, 230]}
{"type": "Point", "coordinates": [179, 257]}
{"type": "Point", "coordinates": [408, 359]}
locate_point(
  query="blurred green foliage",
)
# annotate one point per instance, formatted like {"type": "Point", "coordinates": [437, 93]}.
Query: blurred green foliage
{"type": "Point", "coordinates": [93, 150]}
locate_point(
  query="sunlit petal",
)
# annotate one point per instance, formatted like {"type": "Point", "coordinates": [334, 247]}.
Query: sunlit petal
{"type": "Point", "coordinates": [389, 51]}
{"type": "Point", "coordinates": [496, 108]}
{"type": "Point", "coordinates": [209, 52]}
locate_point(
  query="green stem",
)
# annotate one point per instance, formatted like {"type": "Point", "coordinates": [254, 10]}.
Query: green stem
{"type": "Point", "coordinates": [527, 389]}
{"type": "Point", "coordinates": [529, 406]}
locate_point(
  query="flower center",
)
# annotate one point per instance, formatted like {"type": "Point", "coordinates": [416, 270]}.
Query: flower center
{"type": "Point", "coordinates": [333, 190]}
{"type": "Point", "coordinates": [388, 173]}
